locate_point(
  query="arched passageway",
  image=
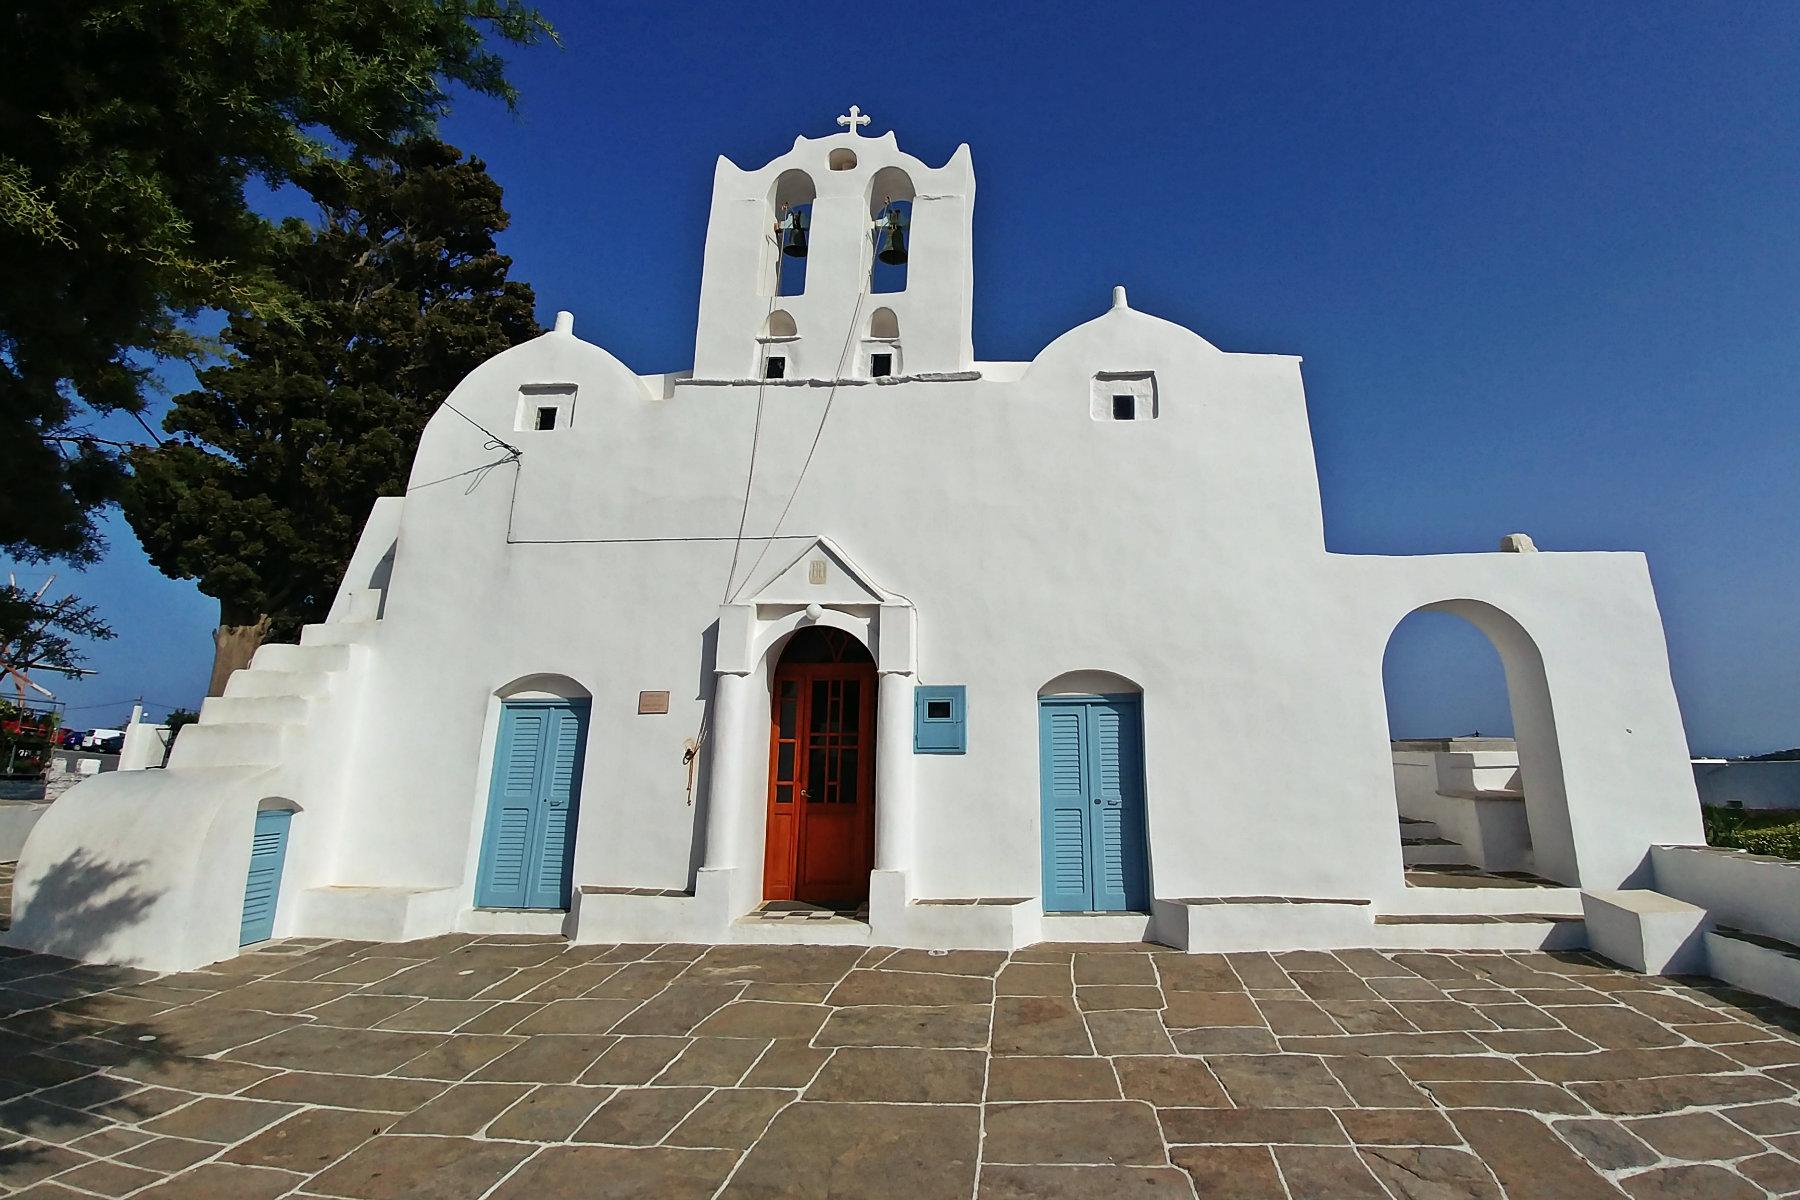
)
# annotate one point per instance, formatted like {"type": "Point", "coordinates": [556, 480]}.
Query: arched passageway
{"type": "Point", "coordinates": [1477, 764]}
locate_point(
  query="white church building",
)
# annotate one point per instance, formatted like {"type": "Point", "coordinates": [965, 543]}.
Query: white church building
{"type": "Point", "coordinates": [846, 635]}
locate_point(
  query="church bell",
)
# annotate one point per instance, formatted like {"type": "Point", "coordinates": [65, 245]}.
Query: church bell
{"type": "Point", "coordinates": [793, 238]}
{"type": "Point", "coordinates": [893, 239]}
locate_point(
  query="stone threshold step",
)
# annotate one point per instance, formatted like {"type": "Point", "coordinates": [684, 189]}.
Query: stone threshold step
{"type": "Point", "coordinates": [1474, 918]}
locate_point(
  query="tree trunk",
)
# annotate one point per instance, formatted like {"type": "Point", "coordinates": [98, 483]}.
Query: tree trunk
{"type": "Point", "coordinates": [232, 647]}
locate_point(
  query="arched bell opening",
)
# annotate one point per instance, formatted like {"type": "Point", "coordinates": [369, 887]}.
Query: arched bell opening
{"type": "Point", "coordinates": [820, 842]}
{"type": "Point", "coordinates": [1478, 779]}
{"type": "Point", "coordinates": [791, 205]}
{"type": "Point", "coordinates": [890, 216]}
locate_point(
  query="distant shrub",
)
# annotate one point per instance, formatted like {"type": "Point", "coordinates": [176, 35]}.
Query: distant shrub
{"type": "Point", "coordinates": [1772, 832]}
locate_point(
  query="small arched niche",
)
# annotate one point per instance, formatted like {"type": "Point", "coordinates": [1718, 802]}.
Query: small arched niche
{"type": "Point", "coordinates": [843, 159]}
{"type": "Point", "coordinates": [891, 229]}
{"type": "Point", "coordinates": [790, 211]}
{"type": "Point", "coordinates": [277, 804]}
{"type": "Point", "coordinates": [779, 326]}
{"type": "Point", "coordinates": [881, 346]}
{"type": "Point", "coordinates": [544, 686]}
{"type": "Point", "coordinates": [1090, 683]}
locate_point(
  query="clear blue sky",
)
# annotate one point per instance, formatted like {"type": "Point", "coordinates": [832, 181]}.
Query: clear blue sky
{"type": "Point", "coordinates": [1542, 262]}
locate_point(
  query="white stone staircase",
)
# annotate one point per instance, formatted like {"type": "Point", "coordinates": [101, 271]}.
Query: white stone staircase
{"type": "Point", "coordinates": [266, 705]}
{"type": "Point", "coordinates": [1422, 844]}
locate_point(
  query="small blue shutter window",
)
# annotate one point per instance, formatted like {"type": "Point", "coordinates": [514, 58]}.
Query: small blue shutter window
{"type": "Point", "coordinates": [262, 888]}
{"type": "Point", "coordinates": [940, 720]}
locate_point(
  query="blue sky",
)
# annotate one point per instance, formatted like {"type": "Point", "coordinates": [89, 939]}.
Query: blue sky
{"type": "Point", "coordinates": [1541, 260]}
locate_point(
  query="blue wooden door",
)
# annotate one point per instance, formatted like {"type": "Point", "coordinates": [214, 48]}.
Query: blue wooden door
{"type": "Point", "coordinates": [1091, 767]}
{"type": "Point", "coordinates": [528, 845]}
{"type": "Point", "coordinates": [262, 888]}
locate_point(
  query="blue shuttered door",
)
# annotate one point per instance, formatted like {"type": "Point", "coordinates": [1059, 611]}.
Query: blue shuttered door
{"type": "Point", "coordinates": [1092, 770]}
{"type": "Point", "coordinates": [1062, 763]}
{"type": "Point", "coordinates": [528, 846]}
{"type": "Point", "coordinates": [262, 888]}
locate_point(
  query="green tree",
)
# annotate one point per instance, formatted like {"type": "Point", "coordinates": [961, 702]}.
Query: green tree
{"type": "Point", "coordinates": [128, 131]}
{"type": "Point", "coordinates": [40, 635]}
{"type": "Point", "coordinates": [398, 292]}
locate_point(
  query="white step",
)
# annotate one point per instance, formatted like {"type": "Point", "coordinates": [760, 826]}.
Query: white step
{"type": "Point", "coordinates": [229, 745]}
{"type": "Point", "coordinates": [258, 710]}
{"type": "Point", "coordinates": [1764, 965]}
{"type": "Point", "coordinates": [1432, 853]}
{"type": "Point", "coordinates": [282, 656]}
{"type": "Point", "coordinates": [1463, 931]}
{"type": "Point", "coordinates": [256, 682]}
{"type": "Point", "coordinates": [337, 633]}
{"type": "Point", "coordinates": [1412, 827]}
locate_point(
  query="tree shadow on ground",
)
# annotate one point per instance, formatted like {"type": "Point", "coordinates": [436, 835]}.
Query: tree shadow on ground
{"type": "Point", "coordinates": [77, 1039]}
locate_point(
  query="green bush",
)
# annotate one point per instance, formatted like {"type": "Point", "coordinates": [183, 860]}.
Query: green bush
{"type": "Point", "coordinates": [1772, 832]}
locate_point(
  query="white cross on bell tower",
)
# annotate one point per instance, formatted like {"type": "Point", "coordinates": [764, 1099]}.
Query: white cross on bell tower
{"type": "Point", "coordinates": [854, 120]}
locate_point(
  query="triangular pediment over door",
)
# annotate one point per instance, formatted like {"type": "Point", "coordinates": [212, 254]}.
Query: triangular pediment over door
{"type": "Point", "coordinates": [820, 574]}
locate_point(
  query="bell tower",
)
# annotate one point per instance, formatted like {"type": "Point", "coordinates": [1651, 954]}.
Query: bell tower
{"type": "Point", "coordinates": [843, 258]}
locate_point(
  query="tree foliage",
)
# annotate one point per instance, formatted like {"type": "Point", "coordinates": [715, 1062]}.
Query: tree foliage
{"type": "Point", "coordinates": [41, 635]}
{"type": "Point", "coordinates": [398, 292]}
{"type": "Point", "coordinates": [128, 131]}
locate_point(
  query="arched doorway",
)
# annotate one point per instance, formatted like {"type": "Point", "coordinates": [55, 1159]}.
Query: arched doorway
{"type": "Point", "coordinates": [820, 845]}
{"type": "Point", "coordinates": [1096, 855]}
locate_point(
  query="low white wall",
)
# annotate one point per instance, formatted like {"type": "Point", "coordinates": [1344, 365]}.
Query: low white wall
{"type": "Point", "coordinates": [1752, 892]}
{"type": "Point", "coordinates": [1752, 784]}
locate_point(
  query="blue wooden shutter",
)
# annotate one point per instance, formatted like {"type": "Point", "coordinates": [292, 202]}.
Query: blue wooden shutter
{"type": "Point", "coordinates": [262, 888]}
{"type": "Point", "coordinates": [1063, 770]}
{"type": "Point", "coordinates": [507, 849]}
{"type": "Point", "coordinates": [1120, 874]}
{"type": "Point", "coordinates": [555, 848]}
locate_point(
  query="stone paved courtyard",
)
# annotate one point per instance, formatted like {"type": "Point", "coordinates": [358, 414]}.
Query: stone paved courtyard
{"type": "Point", "coordinates": [517, 1067]}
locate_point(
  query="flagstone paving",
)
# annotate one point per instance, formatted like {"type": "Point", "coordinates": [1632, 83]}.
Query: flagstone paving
{"type": "Point", "coordinates": [521, 1068]}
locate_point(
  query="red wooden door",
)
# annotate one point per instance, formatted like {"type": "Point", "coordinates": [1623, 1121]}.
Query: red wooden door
{"type": "Point", "coordinates": [821, 837]}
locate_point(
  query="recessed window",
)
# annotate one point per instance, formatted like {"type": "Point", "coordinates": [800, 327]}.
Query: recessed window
{"type": "Point", "coordinates": [775, 367]}
{"type": "Point", "coordinates": [545, 406]}
{"type": "Point", "coordinates": [880, 365]}
{"type": "Point", "coordinates": [1124, 396]}
{"type": "Point", "coordinates": [938, 710]}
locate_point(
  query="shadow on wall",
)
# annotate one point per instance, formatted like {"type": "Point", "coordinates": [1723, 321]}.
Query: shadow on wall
{"type": "Point", "coordinates": [62, 1018]}
{"type": "Point", "coordinates": [81, 902]}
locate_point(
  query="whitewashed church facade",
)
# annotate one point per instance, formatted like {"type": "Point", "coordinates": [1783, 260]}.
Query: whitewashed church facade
{"type": "Point", "coordinates": [929, 650]}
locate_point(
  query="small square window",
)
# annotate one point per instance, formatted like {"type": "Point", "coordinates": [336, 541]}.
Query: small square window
{"type": "Point", "coordinates": [880, 365]}
{"type": "Point", "coordinates": [545, 406]}
{"type": "Point", "coordinates": [1124, 396]}
{"type": "Point", "coordinates": [937, 710]}
{"type": "Point", "coordinates": [775, 367]}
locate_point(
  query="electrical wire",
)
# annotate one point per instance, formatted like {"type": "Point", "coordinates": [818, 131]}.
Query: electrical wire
{"type": "Point", "coordinates": [495, 440]}
{"type": "Point", "coordinates": [818, 433]}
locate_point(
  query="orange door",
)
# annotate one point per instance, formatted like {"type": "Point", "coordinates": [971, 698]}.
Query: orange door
{"type": "Point", "coordinates": [821, 839]}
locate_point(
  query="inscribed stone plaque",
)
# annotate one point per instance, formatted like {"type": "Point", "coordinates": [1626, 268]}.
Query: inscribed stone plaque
{"type": "Point", "coordinates": [653, 702]}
